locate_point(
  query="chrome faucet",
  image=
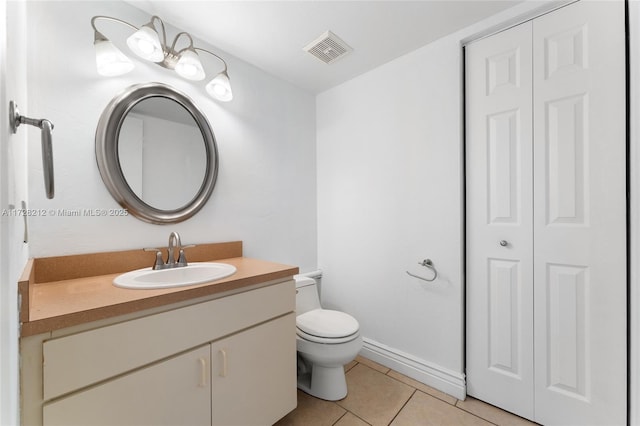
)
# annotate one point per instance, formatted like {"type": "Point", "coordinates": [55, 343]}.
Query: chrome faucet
{"type": "Point", "coordinates": [174, 245]}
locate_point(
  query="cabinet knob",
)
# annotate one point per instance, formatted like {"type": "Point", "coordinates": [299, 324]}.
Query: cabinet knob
{"type": "Point", "coordinates": [504, 243]}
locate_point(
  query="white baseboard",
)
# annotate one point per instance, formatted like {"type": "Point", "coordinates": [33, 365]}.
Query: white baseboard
{"type": "Point", "coordinates": [443, 379]}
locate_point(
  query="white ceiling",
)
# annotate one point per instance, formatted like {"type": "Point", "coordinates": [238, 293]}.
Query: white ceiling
{"type": "Point", "coordinates": [271, 34]}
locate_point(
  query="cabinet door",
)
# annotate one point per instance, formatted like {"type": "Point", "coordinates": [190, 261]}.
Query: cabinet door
{"type": "Point", "coordinates": [173, 392]}
{"type": "Point", "coordinates": [254, 374]}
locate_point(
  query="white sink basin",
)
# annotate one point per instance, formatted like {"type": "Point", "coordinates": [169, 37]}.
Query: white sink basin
{"type": "Point", "coordinates": [194, 273]}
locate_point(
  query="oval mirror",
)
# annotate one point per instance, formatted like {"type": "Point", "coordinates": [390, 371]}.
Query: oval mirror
{"type": "Point", "coordinates": [156, 153]}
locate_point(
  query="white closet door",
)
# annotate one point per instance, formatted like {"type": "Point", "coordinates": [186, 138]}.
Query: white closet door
{"type": "Point", "coordinates": [580, 215]}
{"type": "Point", "coordinates": [499, 209]}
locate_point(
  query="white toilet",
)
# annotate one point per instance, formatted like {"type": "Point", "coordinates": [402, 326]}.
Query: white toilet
{"type": "Point", "coordinates": [326, 341]}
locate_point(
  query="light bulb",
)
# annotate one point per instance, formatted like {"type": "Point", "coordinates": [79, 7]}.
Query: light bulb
{"type": "Point", "coordinates": [110, 61]}
{"type": "Point", "coordinates": [189, 66]}
{"type": "Point", "coordinates": [146, 44]}
{"type": "Point", "coordinates": [220, 87]}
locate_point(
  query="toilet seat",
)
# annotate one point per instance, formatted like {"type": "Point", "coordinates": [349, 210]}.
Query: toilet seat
{"type": "Point", "coordinates": [326, 340]}
{"type": "Point", "coordinates": [327, 326]}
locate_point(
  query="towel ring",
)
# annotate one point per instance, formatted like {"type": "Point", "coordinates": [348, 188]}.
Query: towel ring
{"type": "Point", "coordinates": [427, 263]}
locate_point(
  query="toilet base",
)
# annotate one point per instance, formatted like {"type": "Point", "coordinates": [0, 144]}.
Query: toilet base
{"type": "Point", "coordinates": [326, 383]}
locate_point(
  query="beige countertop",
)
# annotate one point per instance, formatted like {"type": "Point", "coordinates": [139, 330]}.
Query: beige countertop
{"type": "Point", "coordinates": [63, 291]}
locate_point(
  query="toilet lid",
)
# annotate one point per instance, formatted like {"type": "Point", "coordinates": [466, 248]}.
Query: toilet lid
{"type": "Point", "coordinates": [327, 323]}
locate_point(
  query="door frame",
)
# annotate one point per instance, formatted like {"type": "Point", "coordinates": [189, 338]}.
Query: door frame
{"type": "Point", "coordinates": [632, 29]}
{"type": "Point", "coordinates": [633, 223]}
{"type": "Point", "coordinates": [13, 189]}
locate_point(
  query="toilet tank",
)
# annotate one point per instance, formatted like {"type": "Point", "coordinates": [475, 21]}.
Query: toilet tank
{"type": "Point", "coordinates": [306, 295]}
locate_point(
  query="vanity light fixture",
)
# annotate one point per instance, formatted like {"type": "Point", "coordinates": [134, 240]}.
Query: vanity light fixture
{"type": "Point", "coordinates": [145, 42]}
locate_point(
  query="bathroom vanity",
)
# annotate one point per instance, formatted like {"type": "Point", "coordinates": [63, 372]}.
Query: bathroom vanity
{"type": "Point", "coordinates": [219, 353]}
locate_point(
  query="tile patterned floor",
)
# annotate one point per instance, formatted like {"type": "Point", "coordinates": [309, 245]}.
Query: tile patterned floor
{"type": "Point", "coordinates": [380, 396]}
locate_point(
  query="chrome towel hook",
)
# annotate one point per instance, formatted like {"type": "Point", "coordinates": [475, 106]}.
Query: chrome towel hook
{"type": "Point", "coordinates": [427, 263]}
{"type": "Point", "coordinates": [15, 120]}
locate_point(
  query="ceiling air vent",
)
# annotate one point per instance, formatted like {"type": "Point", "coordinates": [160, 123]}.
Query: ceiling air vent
{"type": "Point", "coordinates": [328, 48]}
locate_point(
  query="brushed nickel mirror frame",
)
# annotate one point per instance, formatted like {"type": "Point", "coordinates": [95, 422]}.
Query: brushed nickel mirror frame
{"type": "Point", "coordinates": [108, 132]}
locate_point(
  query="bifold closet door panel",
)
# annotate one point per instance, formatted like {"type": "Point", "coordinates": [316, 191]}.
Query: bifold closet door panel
{"type": "Point", "coordinates": [580, 214]}
{"type": "Point", "coordinates": [499, 283]}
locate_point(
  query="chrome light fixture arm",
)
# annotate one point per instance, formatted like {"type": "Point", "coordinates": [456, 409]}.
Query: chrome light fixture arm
{"type": "Point", "coordinates": [175, 41]}
{"type": "Point", "coordinates": [109, 18]}
{"type": "Point", "coordinates": [172, 56]}
{"type": "Point", "coordinates": [164, 31]}
{"type": "Point", "coordinates": [214, 55]}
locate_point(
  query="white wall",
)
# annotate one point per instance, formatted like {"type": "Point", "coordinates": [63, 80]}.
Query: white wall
{"type": "Point", "coordinates": [265, 193]}
{"type": "Point", "coordinates": [390, 194]}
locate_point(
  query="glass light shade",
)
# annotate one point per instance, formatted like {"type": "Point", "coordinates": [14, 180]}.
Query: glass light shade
{"type": "Point", "coordinates": [220, 87]}
{"type": "Point", "coordinates": [189, 66]}
{"type": "Point", "coordinates": [110, 61]}
{"type": "Point", "coordinates": [146, 44]}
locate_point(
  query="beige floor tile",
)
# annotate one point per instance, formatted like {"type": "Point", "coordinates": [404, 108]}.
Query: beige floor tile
{"type": "Point", "coordinates": [350, 419]}
{"type": "Point", "coordinates": [493, 414]}
{"type": "Point", "coordinates": [350, 365]}
{"type": "Point", "coordinates": [373, 396]}
{"type": "Point", "coordinates": [378, 367]}
{"type": "Point", "coordinates": [312, 412]}
{"type": "Point", "coordinates": [424, 388]}
{"type": "Point", "coordinates": [423, 409]}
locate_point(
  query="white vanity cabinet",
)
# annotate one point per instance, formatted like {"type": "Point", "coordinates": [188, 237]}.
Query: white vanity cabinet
{"type": "Point", "coordinates": [226, 361]}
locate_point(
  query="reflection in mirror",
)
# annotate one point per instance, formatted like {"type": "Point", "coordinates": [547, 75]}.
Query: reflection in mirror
{"type": "Point", "coordinates": [162, 153]}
